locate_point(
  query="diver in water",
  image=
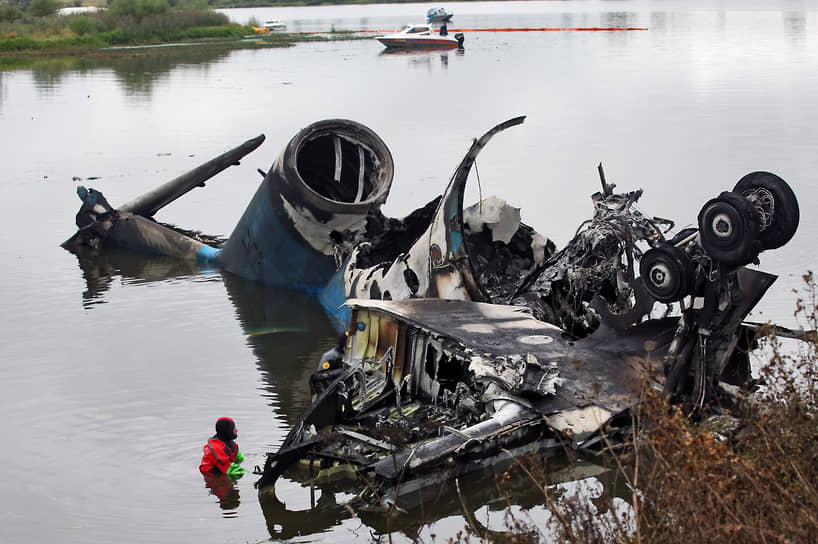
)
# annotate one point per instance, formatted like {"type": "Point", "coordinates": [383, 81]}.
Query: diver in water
{"type": "Point", "coordinates": [221, 453]}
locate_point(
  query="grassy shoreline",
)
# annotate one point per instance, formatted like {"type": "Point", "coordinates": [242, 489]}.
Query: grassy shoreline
{"type": "Point", "coordinates": [131, 23]}
{"type": "Point", "coordinates": [36, 49]}
{"type": "Point", "coordinates": [303, 3]}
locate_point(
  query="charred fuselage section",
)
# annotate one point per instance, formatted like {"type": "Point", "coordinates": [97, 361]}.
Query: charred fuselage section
{"type": "Point", "coordinates": [471, 335]}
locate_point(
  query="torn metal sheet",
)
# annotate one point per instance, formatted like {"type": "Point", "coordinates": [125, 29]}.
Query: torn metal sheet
{"type": "Point", "coordinates": [496, 215]}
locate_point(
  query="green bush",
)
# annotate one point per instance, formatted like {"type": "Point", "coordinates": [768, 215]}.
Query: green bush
{"type": "Point", "coordinates": [162, 27]}
{"type": "Point", "coordinates": [139, 8]}
{"type": "Point", "coordinates": [9, 13]}
{"type": "Point", "coordinates": [232, 31]}
{"type": "Point", "coordinates": [116, 37]}
{"type": "Point", "coordinates": [41, 8]}
{"type": "Point", "coordinates": [83, 25]}
{"type": "Point", "coordinates": [19, 44]}
{"type": "Point", "coordinates": [197, 5]}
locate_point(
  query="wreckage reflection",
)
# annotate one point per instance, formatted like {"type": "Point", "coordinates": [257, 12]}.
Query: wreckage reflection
{"type": "Point", "coordinates": [99, 268]}
{"type": "Point", "coordinates": [322, 505]}
{"type": "Point", "coordinates": [287, 331]}
{"type": "Point", "coordinates": [322, 513]}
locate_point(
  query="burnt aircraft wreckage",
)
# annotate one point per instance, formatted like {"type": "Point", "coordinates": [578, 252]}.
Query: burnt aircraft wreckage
{"type": "Point", "coordinates": [468, 336]}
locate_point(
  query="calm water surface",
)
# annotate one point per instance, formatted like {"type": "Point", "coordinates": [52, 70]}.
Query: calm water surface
{"type": "Point", "coordinates": [115, 368]}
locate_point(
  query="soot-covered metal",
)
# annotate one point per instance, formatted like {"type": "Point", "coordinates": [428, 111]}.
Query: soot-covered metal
{"type": "Point", "coordinates": [469, 336]}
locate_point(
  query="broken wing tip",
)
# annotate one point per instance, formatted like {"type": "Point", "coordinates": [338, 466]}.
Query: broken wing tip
{"type": "Point", "coordinates": [513, 122]}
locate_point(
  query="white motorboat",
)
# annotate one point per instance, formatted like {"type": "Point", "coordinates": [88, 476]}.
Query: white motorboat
{"type": "Point", "coordinates": [421, 37]}
{"type": "Point", "coordinates": [438, 15]}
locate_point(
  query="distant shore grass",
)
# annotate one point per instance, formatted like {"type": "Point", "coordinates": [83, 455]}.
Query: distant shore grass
{"type": "Point", "coordinates": [223, 4]}
{"type": "Point", "coordinates": [134, 23]}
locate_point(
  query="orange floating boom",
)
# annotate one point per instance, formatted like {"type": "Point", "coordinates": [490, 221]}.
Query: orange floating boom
{"type": "Point", "coordinates": [572, 29]}
{"type": "Point", "coordinates": [546, 29]}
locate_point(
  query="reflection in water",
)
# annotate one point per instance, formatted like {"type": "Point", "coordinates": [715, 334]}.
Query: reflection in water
{"type": "Point", "coordinates": [659, 21]}
{"type": "Point", "coordinates": [423, 57]}
{"type": "Point", "coordinates": [137, 72]}
{"type": "Point", "coordinates": [223, 487]}
{"type": "Point", "coordinates": [326, 505]}
{"type": "Point", "coordinates": [795, 26]}
{"type": "Point", "coordinates": [619, 19]}
{"type": "Point", "coordinates": [99, 268]}
{"type": "Point", "coordinates": [488, 487]}
{"type": "Point", "coordinates": [288, 331]}
{"type": "Point", "coordinates": [323, 513]}
{"type": "Point", "coordinates": [49, 74]}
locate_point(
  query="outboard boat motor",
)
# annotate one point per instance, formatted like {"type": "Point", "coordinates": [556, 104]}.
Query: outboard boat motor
{"type": "Point", "coordinates": [459, 37]}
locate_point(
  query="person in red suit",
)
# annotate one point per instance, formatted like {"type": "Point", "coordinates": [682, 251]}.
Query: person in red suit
{"type": "Point", "coordinates": [221, 454]}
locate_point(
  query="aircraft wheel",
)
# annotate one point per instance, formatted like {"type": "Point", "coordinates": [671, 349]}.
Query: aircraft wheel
{"type": "Point", "coordinates": [776, 205]}
{"type": "Point", "coordinates": [728, 228]}
{"type": "Point", "coordinates": [667, 273]}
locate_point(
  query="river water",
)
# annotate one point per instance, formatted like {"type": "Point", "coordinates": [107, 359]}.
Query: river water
{"type": "Point", "coordinates": [114, 369]}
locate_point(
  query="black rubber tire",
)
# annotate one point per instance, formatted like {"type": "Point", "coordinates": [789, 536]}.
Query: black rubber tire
{"type": "Point", "coordinates": [786, 215]}
{"type": "Point", "coordinates": [729, 228]}
{"type": "Point", "coordinates": [667, 273]}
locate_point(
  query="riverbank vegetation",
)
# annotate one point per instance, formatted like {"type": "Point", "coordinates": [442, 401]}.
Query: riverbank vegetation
{"type": "Point", "coordinates": [34, 27]}
{"type": "Point", "coordinates": [749, 475]}
{"type": "Point", "coordinates": [301, 3]}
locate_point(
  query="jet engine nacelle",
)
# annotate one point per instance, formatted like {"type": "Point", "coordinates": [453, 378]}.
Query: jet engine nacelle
{"type": "Point", "coordinates": [328, 178]}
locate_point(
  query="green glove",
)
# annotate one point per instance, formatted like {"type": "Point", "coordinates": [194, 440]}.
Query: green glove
{"type": "Point", "coordinates": [235, 470]}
